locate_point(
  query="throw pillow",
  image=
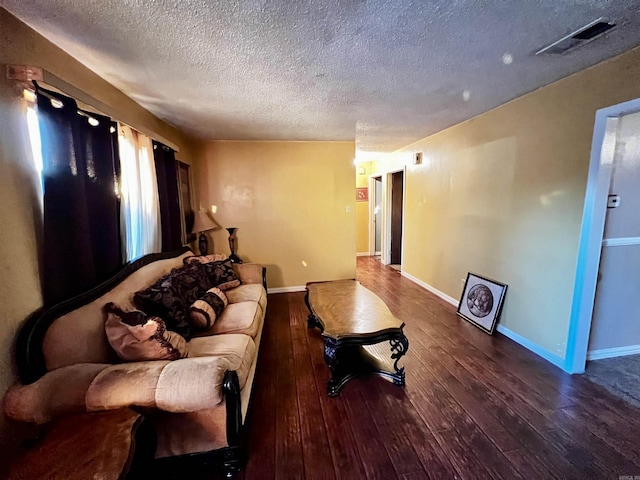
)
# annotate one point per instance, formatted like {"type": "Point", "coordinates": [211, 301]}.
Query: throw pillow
{"type": "Point", "coordinates": [206, 310]}
{"type": "Point", "coordinates": [171, 296]}
{"type": "Point", "coordinates": [215, 257]}
{"type": "Point", "coordinates": [136, 337]}
{"type": "Point", "coordinates": [221, 274]}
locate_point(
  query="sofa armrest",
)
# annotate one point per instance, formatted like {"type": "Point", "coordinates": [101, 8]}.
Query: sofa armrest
{"type": "Point", "coordinates": [59, 392]}
{"type": "Point", "coordinates": [251, 273]}
{"type": "Point", "coordinates": [185, 385]}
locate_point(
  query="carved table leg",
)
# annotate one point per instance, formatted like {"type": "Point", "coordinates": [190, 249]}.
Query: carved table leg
{"type": "Point", "coordinates": [330, 357]}
{"type": "Point", "coordinates": [399, 347]}
{"type": "Point", "coordinates": [352, 360]}
{"type": "Point", "coordinates": [313, 322]}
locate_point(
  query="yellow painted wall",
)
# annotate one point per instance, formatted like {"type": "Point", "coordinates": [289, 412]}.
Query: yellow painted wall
{"type": "Point", "coordinates": [502, 195]}
{"type": "Point", "coordinates": [362, 210]}
{"type": "Point", "coordinates": [289, 201]}
{"type": "Point", "coordinates": [19, 202]}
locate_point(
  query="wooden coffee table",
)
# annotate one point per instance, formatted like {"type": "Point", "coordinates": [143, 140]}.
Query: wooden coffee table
{"type": "Point", "coordinates": [361, 335]}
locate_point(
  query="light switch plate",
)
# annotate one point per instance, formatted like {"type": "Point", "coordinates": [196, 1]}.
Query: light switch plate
{"type": "Point", "coordinates": [613, 201]}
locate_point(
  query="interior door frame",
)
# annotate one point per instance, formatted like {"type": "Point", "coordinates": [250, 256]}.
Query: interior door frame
{"type": "Point", "coordinates": [372, 206]}
{"type": "Point", "coordinates": [592, 231]}
{"type": "Point", "coordinates": [385, 256]}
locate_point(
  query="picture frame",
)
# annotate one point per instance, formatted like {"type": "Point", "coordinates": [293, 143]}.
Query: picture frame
{"type": "Point", "coordinates": [481, 301]}
{"type": "Point", "coordinates": [362, 194]}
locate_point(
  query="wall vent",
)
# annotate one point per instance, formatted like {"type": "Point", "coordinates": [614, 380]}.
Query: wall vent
{"type": "Point", "coordinates": [578, 38]}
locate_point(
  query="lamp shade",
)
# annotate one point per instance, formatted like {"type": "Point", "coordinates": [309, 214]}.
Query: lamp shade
{"type": "Point", "coordinates": [203, 222]}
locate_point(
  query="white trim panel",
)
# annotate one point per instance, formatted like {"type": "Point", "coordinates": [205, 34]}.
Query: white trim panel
{"type": "Point", "coordinates": [433, 290]}
{"type": "Point", "coordinates": [297, 288]}
{"type": "Point", "coordinates": [620, 242]}
{"type": "Point", "coordinates": [613, 352]}
{"type": "Point", "coordinates": [363, 254]}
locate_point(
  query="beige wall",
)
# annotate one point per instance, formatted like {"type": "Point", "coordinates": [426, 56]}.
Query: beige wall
{"type": "Point", "coordinates": [19, 202]}
{"type": "Point", "coordinates": [289, 200]}
{"type": "Point", "coordinates": [502, 195]}
{"type": "Point", "coordinates": [362, 210]}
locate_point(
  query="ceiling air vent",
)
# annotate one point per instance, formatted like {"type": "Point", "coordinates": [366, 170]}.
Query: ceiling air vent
{"type": "Point", "coordinates": [580, 37]}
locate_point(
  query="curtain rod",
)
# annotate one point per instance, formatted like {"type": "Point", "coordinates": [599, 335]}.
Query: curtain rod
{"type": "Point", "coordinates": [57, 82]}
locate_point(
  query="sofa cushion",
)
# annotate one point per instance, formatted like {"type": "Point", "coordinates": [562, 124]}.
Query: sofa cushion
{"type": "Point", "coordinates": [134, 336]}
{"type": "Point", "coordinates": [171, 296]}
{"type": "Point", "coordinates": [248, 272]}
{"type": "Point", "coordinates": [204, 311]}
{"type": "Point", "coordinates": [243, 317]}
{"type": "Point", "coordinates": [124, 385]}
{"type": "Point", "coordinates": [246, 293]}
{"type": "Point", "coordinates": [221, 274]}
{"type": "Point", "coordinates": [238, 349]}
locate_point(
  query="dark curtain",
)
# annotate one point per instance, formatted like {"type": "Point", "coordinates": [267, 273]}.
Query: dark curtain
{"type": "Point", "coordinates": [81, 206]}
{"type": "Point", "coordinates": [169, 195]}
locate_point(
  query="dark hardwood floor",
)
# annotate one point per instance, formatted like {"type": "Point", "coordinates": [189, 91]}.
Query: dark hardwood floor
{"type": "Point", "coordinates": [474, 406]}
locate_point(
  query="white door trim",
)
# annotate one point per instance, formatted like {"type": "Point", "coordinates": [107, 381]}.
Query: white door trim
{"type": "Point", "coordinates": [386, 214]}
{"type": "Point", "coordinates": [592, 230]}
{"type": "Point", "coordinates": [372, 206]}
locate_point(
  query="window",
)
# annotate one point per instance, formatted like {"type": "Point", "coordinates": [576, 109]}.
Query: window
{"type": "Point", "coordinates": [34, 138]}
{"type": "Point", "coordinates": [99, 191]}
{"type": "Point", "coordinates": [139, 194]}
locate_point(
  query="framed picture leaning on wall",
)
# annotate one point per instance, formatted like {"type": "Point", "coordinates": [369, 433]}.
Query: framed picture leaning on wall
{"type": "Point", "coordinates": [481, 301]}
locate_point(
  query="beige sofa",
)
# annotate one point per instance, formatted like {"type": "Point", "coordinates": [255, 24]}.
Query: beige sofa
{"type": "Point", "coordinates": [197, 404]}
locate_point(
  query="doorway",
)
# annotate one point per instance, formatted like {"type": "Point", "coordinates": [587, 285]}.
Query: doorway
{"type": "Point", "coordinates": [615, 325]}
{"type": "Point", "coordinates": [377, 215]}
{"type": "Point", "coordinates": [397, 200]}
{"type": "Point", "coordinates": [605, 146]}
{"type": "Point", "coordinates": [616, 322]}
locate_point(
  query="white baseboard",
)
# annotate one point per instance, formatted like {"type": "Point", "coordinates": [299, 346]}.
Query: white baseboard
{"type": "Point", "coordinates": [526, 343]}
{"type": "Point", "coordinates": [613, 352]}
{"type": "Point", "coordinates": [363, 254]}
{"type": "Point", "coordinates": [433, 290]}
{"type": "Point", "coordinates": [534, 347]}
{"type": "Point", "coordinates": [297, 288]}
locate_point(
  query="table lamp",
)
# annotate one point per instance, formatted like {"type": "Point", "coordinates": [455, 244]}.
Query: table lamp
{"type": "Point", "coordinates": [202, 222]}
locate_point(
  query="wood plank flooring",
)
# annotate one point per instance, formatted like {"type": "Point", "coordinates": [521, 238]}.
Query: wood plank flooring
{"type": "Point", "coordinates": [474, 406]}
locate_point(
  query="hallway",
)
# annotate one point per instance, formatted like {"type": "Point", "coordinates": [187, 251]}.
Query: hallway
{"type": "Point", "coordinates": [474, 406]}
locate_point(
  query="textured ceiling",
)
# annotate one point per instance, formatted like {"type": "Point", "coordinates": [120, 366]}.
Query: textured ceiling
{"type": "Point", "coordinates": [386, 73]}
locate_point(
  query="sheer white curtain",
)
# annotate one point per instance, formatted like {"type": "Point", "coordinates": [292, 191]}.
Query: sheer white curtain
{"type": "Point", "coordinates": [140, 208]}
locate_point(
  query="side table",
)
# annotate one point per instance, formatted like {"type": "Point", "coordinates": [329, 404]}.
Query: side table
{"type": "Point", "coordinates": [105, 445]}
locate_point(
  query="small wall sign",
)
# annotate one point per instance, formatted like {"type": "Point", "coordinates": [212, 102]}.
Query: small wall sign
{"type": "Point", "coordinates": [362, 194]}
